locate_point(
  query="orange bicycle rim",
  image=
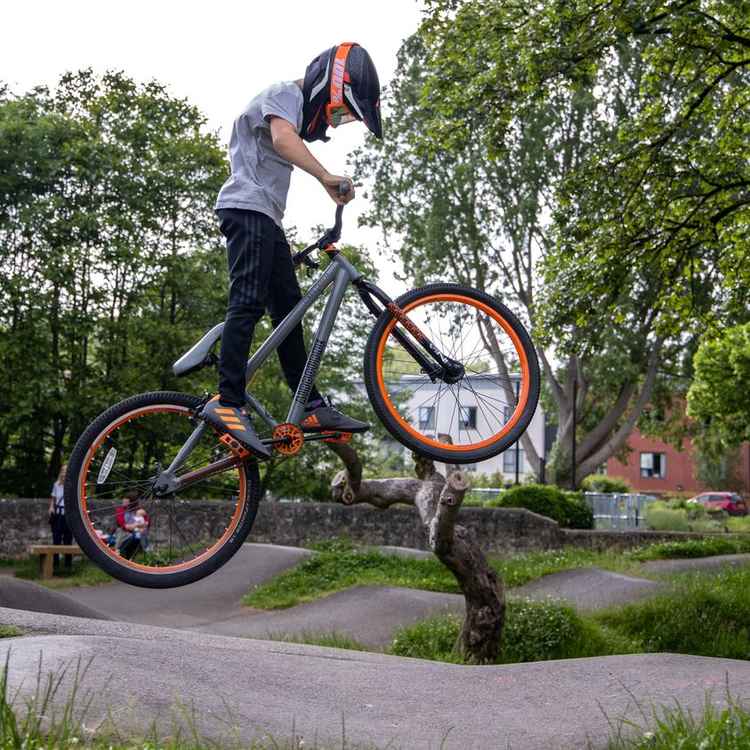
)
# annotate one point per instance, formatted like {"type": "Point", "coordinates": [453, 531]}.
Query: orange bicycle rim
{"type": "Point", "coordinates": [523, 395]}
{"type": "Point", "coordinates": [83, 500]}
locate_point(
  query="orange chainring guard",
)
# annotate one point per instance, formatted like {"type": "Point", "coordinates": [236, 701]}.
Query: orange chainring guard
{"type": "Point", "coordinates": [292, 436]}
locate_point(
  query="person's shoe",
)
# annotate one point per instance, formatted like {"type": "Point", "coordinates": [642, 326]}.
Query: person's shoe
{"type": "Point", "coordinates": [320, 416]}
{"type": "Point", "coordinates": [235, 427]}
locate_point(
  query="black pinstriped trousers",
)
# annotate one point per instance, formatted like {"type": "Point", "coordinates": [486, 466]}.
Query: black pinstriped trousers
{"type": "Point", "coordinates": [261, 276]}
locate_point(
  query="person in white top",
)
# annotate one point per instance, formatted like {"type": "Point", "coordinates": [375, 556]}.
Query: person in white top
{"type": "Point", "coordinates": [61, 533]}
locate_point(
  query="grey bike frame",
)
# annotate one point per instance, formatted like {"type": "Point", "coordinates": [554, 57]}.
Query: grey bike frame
{"type": "Point", "coordinates": [340, 273]}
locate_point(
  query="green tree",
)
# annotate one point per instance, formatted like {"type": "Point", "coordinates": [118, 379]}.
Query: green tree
{"type": "Point", "coordinates": [105, 209]}
{"type": "Point", "coordinates": [484, 214]}
{"type": "Point", "coordinates": [113, 265]}
{"type": "Point", "coordinates": [666, 198]}
{"type": "Point", "coordinates": [718, 397]}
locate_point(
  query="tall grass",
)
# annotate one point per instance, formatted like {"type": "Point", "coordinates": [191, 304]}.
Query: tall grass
{"type": "Point", "coordinates": [675, 728]}
{"type": "Point", "coordinates": [705, 614]}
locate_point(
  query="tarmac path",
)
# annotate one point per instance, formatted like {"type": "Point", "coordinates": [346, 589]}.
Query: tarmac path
{"type": "Point", "coordinates": [212, 599]}
{"type": "Point", "coordinates": [139, 673]}
{"type": "Point", "coordinates": [369, 614]}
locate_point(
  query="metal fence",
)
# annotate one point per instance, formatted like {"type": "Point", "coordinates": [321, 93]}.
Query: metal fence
{"type": "Point", "coordinates": [613, 510]}
{"type": "Point", "coordinates": [483, 494]}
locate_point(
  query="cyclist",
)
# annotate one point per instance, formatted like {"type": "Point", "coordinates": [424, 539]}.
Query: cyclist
{"type": "Point", "coordinates": [267, 141]}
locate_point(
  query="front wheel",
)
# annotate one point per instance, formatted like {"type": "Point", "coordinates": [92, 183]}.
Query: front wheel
{"type": "Point", "coordinates": [142, 524]}
{"type": "Point", "coordinates": [478, 406]}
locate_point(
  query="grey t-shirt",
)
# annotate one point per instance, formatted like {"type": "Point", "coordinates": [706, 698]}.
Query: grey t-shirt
{"type": "Point", "coordinates": [260, 177]}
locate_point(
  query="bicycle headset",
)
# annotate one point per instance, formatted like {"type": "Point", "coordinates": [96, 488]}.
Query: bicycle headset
{"type": "Point", "coordinates": [340, 85]}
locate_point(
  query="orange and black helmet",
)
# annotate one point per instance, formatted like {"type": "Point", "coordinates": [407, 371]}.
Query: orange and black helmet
{"type": "Point", "coordinates": [340, 85]}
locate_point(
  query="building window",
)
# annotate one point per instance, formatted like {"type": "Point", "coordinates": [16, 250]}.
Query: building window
{"type": "Point", "coordinates": [509, 461]}
{"type": "Point", "coordinates": [426, 417]}
{"type": "Point", "coordinates": [467, 420]}
{"type": "Point", "coordinates": [654, 465]}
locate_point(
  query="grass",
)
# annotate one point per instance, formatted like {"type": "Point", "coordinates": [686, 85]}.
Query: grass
{"type": "Point", "coordinates": [337, 565]}
{"type": "Point", "coordinates": [328, 640]}
{"type": "Point", "coordinates": [715, 545]}
{"type": "Point", "coordinates": [8, 631]}
{"type": "Point", "coordinates": [534, 631]}
{"type": "Point", "coordinates": [715, 728]}
{"type": "Point", "coordinates": [82, 573]}
{"type": "Point", "coordinates": [705, 614]}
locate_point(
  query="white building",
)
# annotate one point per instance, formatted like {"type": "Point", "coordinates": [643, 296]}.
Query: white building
{"type": "Point", "coordinates": [476, 399]}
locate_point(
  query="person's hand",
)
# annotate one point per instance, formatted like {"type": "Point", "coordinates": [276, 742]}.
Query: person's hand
{"type": "Point", "coordinates": [331, 183]}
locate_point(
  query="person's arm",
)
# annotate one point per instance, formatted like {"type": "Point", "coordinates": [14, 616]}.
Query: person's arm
{"type": "Point", "coordinates": [291, 147]}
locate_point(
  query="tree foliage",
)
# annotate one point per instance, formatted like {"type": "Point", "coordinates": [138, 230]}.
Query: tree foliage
{"type": "Point", "coordinates": [112, 265]}
{"type": "Point", "coordinates": [471, 189]}
{"type": "Point", "coordinates": [664, 200]}
{"type": "Point", "coordinates": [718, 397]}
{"type": "Point", "coordinates": [108, 252]}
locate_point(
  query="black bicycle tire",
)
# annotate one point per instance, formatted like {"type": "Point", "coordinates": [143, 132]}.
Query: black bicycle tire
{"type": "Point", "coordinates": [107, 563]}
{"type": "Point", "coordinates": [395, 429]}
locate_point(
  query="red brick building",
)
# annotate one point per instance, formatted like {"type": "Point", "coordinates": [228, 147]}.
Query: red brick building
{"type": "Point", "coordinates": [656, 467]}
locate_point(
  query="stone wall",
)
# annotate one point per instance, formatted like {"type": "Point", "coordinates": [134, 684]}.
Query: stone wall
{"type": "Point", "coordinates": [23, 522]}
{"type": "Point", "coordinates": [500, 530]}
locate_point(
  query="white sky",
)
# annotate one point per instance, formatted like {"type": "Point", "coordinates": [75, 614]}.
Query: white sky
{"type": "Point", "coordinates": [218, 55]}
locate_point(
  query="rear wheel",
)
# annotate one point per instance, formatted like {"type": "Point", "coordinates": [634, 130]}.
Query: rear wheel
{"type": "Point", "coordinates": [179, 532]}
{"type": "Point", "coordinates": [486, 401]}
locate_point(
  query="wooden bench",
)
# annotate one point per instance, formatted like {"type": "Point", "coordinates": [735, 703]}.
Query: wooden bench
{"type": "Point", "coordinates": [47, 552]}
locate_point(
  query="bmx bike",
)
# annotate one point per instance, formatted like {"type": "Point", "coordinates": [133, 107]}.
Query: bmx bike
{"type": "Point", "coordinates": [443, 359]}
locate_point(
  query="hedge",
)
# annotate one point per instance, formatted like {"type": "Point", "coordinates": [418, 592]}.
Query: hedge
{"type": "Point", "coordinates": [567, 508]}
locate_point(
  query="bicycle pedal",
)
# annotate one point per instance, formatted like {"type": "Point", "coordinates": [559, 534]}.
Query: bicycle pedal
{"type": "Point", "coordinates": [235, 446]}
{"type": "Point", "coordinates": [337, 437]}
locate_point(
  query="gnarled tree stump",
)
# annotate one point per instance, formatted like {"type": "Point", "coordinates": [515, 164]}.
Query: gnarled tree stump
{"type": "Point", "coordinates": [438, 500]}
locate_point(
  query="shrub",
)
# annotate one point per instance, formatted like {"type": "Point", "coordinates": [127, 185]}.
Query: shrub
{"type": "Point", "coordinates": [681, 516]}
{"type": "Point", "coordinates": [661, 518]}
{"type": "Point", "coordinates": [534, 631]}
{"type": "Point", "coordinates": [579, 514]}
{"type": "Point", "coordinates": [567, 508]}
{"type": "Point", "coordinates": [605, 483]}
{"type": "Point", "coordinates": [496, 479]}
{"type": "Point", "coordinates": [738, 524]}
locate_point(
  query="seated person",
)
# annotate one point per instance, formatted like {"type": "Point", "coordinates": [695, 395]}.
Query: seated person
{"type": "Point", "coordinates": [132, 526]}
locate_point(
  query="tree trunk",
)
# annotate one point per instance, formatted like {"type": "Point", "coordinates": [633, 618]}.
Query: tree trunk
{"type": "Point", "coordinates": [438, 500]}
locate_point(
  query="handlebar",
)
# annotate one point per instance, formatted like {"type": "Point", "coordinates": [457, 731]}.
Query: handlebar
{"type": "Point", "coordinates": [330, 237]}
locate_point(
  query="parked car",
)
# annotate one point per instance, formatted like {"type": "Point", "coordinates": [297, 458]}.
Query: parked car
{"type": "Point", "coordinates": [730, 502]}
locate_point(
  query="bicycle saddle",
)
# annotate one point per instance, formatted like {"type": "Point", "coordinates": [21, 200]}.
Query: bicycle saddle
{"type": "Point", "coordinates": [200, 354]}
